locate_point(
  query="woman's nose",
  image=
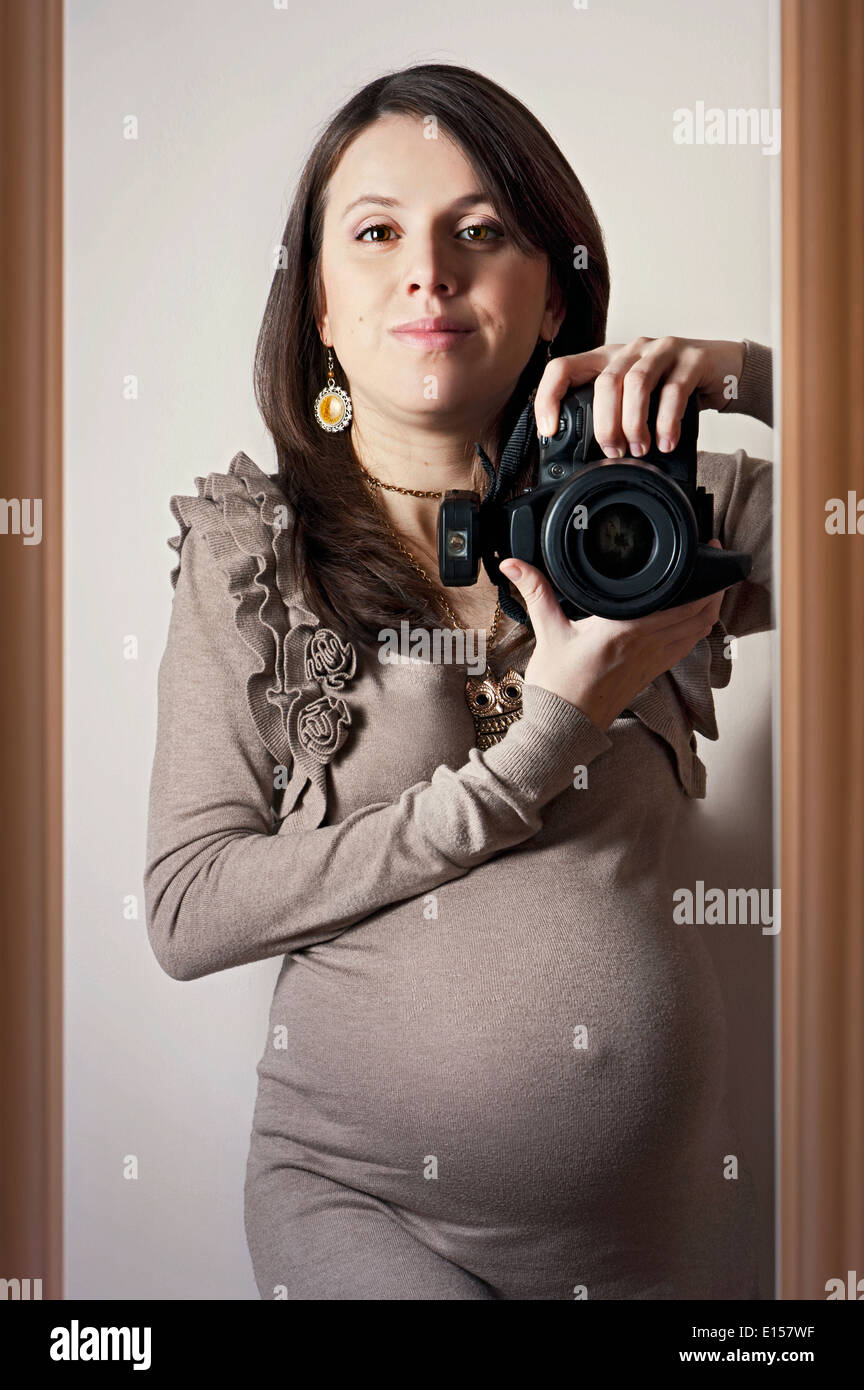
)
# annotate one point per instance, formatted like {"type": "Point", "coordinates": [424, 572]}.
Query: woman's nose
{"type": "Point", "coordinates": [429, 269]}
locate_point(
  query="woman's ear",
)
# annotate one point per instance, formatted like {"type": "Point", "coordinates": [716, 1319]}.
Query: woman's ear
{"type": "Point", "coordinates": [319, 312]}
{"type": "Point", "coordinates": [556, 308]}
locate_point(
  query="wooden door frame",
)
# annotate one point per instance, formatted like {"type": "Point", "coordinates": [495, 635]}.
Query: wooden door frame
{"type": "Point", "coordinates": [819, 605]}
{"type": "Point", "coordinates": [31, 647]}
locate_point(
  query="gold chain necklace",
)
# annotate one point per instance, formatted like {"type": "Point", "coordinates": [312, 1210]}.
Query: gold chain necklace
{"type": "Point", "coordinates": [494, 703]}
{"type": "Point", "coordinates": [391, 487]}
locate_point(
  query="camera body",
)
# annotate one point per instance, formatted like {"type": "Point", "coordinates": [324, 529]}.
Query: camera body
{"type": "Point", "coordinates": [615, 538]}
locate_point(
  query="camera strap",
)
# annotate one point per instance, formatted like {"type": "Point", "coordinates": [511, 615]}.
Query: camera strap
{"type": "Point", "coordinates": [512, 461]}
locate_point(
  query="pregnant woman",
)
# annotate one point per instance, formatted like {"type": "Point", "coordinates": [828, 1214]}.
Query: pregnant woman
{"type": "Point", "coordinates": [495, 1064]}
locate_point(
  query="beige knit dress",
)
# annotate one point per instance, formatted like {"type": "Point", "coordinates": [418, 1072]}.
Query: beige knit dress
{"type": "Point", "coordinates": [495, 1065]}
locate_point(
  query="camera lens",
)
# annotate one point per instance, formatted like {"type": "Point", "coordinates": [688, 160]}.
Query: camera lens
{"type": "Point", "coordinates": [619, 540]}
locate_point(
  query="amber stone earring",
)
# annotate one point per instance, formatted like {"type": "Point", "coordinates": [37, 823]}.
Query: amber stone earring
{"type": "Point", "coordinates": [332, 405]}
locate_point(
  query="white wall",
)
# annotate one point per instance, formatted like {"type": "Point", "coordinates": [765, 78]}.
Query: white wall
{"type": "Point", "coordinates": [169, 239]}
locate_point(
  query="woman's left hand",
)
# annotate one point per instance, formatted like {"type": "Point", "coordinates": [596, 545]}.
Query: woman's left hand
{"type": "Point", "coordinates": [624, 376]}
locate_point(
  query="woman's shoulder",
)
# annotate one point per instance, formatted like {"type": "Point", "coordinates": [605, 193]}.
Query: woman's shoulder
{"type": "Point", "coordinates": [241, 573]}
{"type": "Point", "coordinates": [243, 502]}
{"type": "Point", "coordinates": [248, 523]}
{"type": "Point", "coordinates": [294, 669]}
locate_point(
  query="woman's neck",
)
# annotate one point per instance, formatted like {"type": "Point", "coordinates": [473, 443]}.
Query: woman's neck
{"type": "Point", "coordinates": [422, 459]}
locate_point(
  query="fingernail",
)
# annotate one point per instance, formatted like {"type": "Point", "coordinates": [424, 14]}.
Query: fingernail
{"type": "Point", "coordinates": [666, 445]}
{"type": "Point", "coordinates": [514, 570]}
{"type": "Point", "coordinates": [548, 426]}
{"type": "Point", "coordinates": [614, 453]}
{"type": "Point", "coordinates": [637, 450]}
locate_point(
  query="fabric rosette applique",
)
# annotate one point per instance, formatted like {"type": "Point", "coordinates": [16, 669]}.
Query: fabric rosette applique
{"type": "Point", "coordinates": [320, 727]}
{"type": "Point", "coordinates": [329, 660]}
{"type": "Point", "coordinates": [316, 668]}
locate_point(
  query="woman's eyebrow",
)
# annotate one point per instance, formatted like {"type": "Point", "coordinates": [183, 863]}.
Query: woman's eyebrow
{"type": "Point", "coordinates": [468, 200]}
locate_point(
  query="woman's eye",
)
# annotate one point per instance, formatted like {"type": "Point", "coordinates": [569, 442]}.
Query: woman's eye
{"type": "Point", "coordinates": [485, 230]}
{"type": "Point", "coordinates": [378, 227]}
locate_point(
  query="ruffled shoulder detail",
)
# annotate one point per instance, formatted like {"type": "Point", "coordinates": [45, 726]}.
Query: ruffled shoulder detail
{"type": "Point", "coordinates": [298, 668]}
{"type": "Point", "coordinates": [707, 668]}
{"type": "Point", "coordinates": [680, 701]}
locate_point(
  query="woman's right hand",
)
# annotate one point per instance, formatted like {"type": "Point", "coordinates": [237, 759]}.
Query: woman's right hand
{"type": "Point", "coordinates": [600, 664]}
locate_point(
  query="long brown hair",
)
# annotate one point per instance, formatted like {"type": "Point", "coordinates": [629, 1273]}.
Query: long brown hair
{"type": "Point", "coordinates": [347, 565]}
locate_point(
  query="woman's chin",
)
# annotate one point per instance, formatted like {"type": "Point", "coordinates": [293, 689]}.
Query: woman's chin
{"type": "Point", "coordinates": [424, 400]}
{"type": "Point", "coordinates": [447, 408]}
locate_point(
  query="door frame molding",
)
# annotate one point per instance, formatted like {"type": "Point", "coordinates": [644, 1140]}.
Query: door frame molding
{"type": "Point", "coordinates": [31, 648]}
{"type": "Point", "coordinates": [821, 602]}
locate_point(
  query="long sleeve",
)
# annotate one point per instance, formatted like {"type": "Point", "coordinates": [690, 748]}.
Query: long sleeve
{"type": "Point", "coordinates": [756, 386]}
{"type": "Point", "coordinates": [222, 889]}
{"type": "Point", "coordinates": [744, 503]}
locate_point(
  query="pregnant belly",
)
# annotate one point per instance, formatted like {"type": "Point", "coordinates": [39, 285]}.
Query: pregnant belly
{"type": "Point", "coordinates": [543, 1057]}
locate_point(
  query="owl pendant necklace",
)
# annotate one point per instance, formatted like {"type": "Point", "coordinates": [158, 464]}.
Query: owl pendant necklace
{"type": "Point", "coordinates": [495, 702]}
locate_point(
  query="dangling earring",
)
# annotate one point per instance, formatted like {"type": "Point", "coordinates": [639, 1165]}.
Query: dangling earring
{"type": "Point", "coordinates": [549, 349]}
{"type": "Point", "coordinates": [332, 405]}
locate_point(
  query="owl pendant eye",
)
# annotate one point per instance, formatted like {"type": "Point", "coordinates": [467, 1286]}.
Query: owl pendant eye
{"type": "Point", "coordinates": [481, 694]}
{"type": "Point", "coordinates": [495, 703]}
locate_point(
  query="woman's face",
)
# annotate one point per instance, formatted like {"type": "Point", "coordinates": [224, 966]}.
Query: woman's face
{"type": "Point", "coordinates": [407, 236]}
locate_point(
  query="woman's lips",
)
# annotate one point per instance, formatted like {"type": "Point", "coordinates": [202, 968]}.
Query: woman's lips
{"type": "Point", "coordinates": [437, 332]}
{"type": "Point", "coordinates": [445, 338]}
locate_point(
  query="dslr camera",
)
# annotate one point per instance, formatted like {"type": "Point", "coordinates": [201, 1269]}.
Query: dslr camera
{"type": "Point", "coordinates": [615, 538]}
